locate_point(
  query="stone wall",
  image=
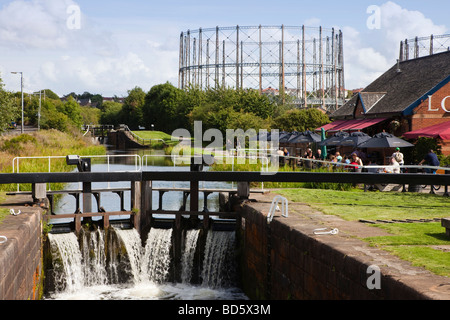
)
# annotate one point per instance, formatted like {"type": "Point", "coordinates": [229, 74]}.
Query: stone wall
{"type": "Point", "coordinates": [285, 260]}
{"type": "Point", "coordinates": [20, 255]}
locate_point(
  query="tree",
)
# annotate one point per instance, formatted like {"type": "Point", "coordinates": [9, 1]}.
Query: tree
{"type": "Point", "coordinates": [301, 120]}
{"type": "Point", "coordinates": [9, 110]}
{"type": "Point", "coordinates": [72, 110]}
{"type": "Point", "coordinates": [90, 116]}
{"type": "Point", "coordinates": [51, 118]}
{"type": "Point", "coordinates": [132, 113]}
{"type": "Point", "coordinates": [49, 94]}
{"type": "Point", "coordinates": [162, 107]}
{"type": "Point", "coordinates": [111, 113]}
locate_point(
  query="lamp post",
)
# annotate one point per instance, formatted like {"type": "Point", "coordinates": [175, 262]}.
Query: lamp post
{"type": "Point", "coordinates": [21, 89]}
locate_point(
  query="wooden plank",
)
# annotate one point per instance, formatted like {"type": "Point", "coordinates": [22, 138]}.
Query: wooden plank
{"type": "Point", "coordinates": [87, 215]}
{"type": "Point", "coordinates": [195, 213]}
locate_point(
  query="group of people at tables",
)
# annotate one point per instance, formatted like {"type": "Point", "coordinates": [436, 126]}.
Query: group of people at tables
{"type": "Point", "coordinates": [355, 161]}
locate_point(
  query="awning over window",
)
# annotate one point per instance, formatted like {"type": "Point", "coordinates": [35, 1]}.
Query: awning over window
{"type": "Point", "coordinates": [441, 131]}
{"type": "Point", "coordinates": [350, 125]}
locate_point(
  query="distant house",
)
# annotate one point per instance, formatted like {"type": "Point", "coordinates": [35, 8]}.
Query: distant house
{"type": "Point", "coordinates": [114, 99]}
{"type": "Point", "coordinates": [270, 91]}
{"type": "Point", "coordinates": [85, 102]}
{"type": "Point", "coordinates": [412, 95]}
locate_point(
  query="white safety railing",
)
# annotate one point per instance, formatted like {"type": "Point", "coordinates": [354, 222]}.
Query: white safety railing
{"type": "Point", "coordinates": [185, 160]}
{"type": "Point", "coordinates": [107, 161]}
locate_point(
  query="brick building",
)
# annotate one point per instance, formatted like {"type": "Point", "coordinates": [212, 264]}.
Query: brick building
{"type": "Point", "coordinates": [413, 95]}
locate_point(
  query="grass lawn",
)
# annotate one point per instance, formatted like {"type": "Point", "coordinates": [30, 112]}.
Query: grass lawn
{"type": "Point", "coordinates": [153, 135]}
{"type": "Point", "coordinates": [419, 243]}
{"type": "Point", "coordinates": [356, 204]}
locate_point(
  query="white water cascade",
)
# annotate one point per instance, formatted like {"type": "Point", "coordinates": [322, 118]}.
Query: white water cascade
{"type": "Point", "coordinates": [67, 262]}
{"type": "Point", "coordinates": [218, 267]}
{"type": "Point", "coordinates": [156, 259]}
{"type": "Point", "coordinates": [187, 260]}
{"type": "Point", "coordinates": [93, 273]}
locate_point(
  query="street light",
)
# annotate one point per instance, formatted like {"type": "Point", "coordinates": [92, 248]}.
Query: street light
{"type": "Point", "coordinates": [21, 89]}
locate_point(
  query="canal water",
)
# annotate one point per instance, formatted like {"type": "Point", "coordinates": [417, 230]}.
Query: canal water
{"type": "Point", "coordinates": [95, 267]}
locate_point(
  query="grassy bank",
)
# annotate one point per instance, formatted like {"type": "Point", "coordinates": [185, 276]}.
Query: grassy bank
{"type": "Point", "coordinates": [160, 139]}
{"type": "Point", "coordinates": [43, 144]}
{"type": "Point", "coordinates": [424, 244]}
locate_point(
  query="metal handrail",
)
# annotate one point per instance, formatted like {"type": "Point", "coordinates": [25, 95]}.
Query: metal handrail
{"type": "Point", "coordinates": [274, 207]}
{"type": "Point", "coordinates": [16, 162]}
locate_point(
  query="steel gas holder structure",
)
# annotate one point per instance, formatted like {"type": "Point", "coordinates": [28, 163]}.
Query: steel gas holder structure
{"type": "Point", "coordinates": [303, 63]}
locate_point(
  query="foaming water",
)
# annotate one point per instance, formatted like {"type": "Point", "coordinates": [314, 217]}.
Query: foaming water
{"type": "Point", "coordinates": [188, 255]}
{"type": "Point", "coordinates": [94, 272]}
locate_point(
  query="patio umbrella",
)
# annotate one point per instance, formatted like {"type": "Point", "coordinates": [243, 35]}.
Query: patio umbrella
{"type": "Point", "coordinates": [291, 136]}
{"type": "Point", "coordinates": [334, 140]}
{"type": "Point", "coordinates": [355, 139]}
{"type": "Point", "coordinates": [385, 140]}
{"type": "Point", "coordinates": [306, 137]}
{"type": "Point", "coordinates": [284, 136]}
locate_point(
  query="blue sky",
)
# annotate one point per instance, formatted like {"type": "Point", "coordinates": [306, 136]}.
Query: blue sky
{"type": "Point", "coordinates": [123, 44]}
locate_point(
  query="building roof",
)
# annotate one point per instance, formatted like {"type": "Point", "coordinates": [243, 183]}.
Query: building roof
{"type": "Point", "coordinates": [401, 88]}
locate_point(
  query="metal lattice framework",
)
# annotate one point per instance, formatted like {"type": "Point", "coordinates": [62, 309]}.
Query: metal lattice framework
{"type": "Point", "coordinates": [423, 46]}
{"type": "Point", "coordinates": [303, 62]}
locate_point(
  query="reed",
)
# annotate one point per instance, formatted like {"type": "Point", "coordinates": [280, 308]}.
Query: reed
{"type": "Point", "coordinates": [43, 144]}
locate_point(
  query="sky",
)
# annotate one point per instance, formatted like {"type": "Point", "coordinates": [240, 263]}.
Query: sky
{"type": "Point", "coordinates": [108, 47]}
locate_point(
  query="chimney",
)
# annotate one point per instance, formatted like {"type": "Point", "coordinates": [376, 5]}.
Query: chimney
{"type": "Point", "coordinates": [398, 66]}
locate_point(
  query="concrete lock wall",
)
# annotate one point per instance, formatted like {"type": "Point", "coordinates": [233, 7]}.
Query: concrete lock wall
{"type": "Point", "coordinates": [286, 260]}
{"type": "Point", "coordinates": [20, 256]}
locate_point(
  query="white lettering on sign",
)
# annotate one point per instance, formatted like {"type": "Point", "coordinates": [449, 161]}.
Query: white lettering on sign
{"type": "Point", "coordinates": [443, 106]}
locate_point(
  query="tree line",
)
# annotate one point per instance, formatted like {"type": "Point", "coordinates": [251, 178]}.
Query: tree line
{"type": "Point", "coordinates": [163, 108]}
{"type": "Point", "coordinates": [166, 108]}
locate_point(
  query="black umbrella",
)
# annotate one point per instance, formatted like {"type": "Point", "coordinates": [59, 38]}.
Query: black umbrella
{"type": "Point", "coordinates": [335, 140]}
{"type": "Point", "coordinates": [284, 136]}
{"type": "Point", "coordinates": [385, 140]}
{"type": "Point", "coordinates": [306, 137]}
{"type": "Point", "coordinates": [292, 136]}
{"type": "Point", "coordinates": [354, 139]}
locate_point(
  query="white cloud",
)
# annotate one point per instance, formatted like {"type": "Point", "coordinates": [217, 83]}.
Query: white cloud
{"type": "Point", "coordinates": [104, 75]}
{"type": "Point", "coordinates": [108, 56]}
{"type": "Point", "coordinates": [398, 24]}
{"type": "Point", "coordinates": [35, 24]}
{"type": "Point", "coordinates": [362, 64]}
{"type": "Point", "coordinates": [369, 53]}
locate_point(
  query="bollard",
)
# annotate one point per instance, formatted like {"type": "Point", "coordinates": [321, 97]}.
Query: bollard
{"type": "Point", "coordinates": [413, 187]}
